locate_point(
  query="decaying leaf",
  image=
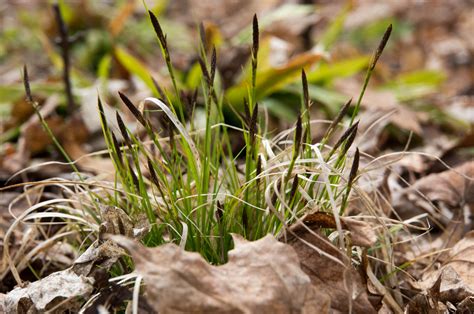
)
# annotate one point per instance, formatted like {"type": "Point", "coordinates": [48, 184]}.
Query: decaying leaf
{"type": "Point", "coordinates": [64, 289]}
{"type": "Point", "coordinates": [450, 190]}
{"type": "Point", "coordinates": [103, 255]}
{"type": "Point", "coordinates": [362, 233]}
{"type": "Point", "coordinates": [453, 283]}
{"type": "Point", "coordinates": [49, 292]}
{"type": "Point", "coordinates": [116, 221]}
{"type": "Point", "coordinates": [330, 272]}
{"type": "Point", "coordinates": [261, 277]}
{"type": "Point", "coordinates": [453, 187]}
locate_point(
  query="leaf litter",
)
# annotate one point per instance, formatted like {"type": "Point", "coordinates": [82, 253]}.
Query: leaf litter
{"type": "Point", "coordinates": [305, 271]}
{"type": "Point", "coordinates": [263, 276]}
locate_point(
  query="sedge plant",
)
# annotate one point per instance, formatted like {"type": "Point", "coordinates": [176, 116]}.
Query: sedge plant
{"type": "Point", "coordinates": [191, 184]}
{"type": "Point", "coordinates": [194, 188]}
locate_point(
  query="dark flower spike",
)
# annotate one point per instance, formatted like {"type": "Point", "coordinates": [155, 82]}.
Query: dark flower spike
{"type": "Point", "coordinates": [294, 187]}
{"type": "Point", "coordinates": [26, 83]}
{"type": "Point", "coordinates": [381, 46]}
{"type": "Point", "coordinates": [202, 34]}
{"type": "Point", "coordinates": [137, 114]}
{"type": "Point", "coordinates": [354, 167]}
{"type": "Point", "coordinates": [153, 176]}
{"type": "Point", "coordinates": [375, 58]}
{"type": "Point", "coordinates": [298, 133]}
{"type": "Point", "coordinates": [213, 64]}
{"type": "Point", "coordinates": [259, 168]}
{"type": "Point", "coordinates": [346, 135]}
{"type": "Point", "coordinates": [253, 124]}
{"type": "Point", "coordinates": [255, 51]}
{"type": "Point", "coordinates": [101, 113]}
{"type": "Point", "coordinates": [305, 90]}
{"type": "Point", "coordinates": [117, 147]}
{"type": "Point", "coordinates": [122, 128]}
{"type": "Point", "coordinates": [134, 179]}
{"type": "Point", "coordinates": [350, 140]}
{"type": "Point", "coordinates": [204, 70]}
{"type": "Point", "coordinates": [248, 117]}
{"type": "Point", "coordinates": [158, 30]}
{"type": "Point", "coordinates": [339, 117]}
{"type": "Point", "coordinates": [256, 36]}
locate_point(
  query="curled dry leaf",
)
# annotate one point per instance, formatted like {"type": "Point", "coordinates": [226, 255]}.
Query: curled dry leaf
{"type": "Point", "coordinates": [64, 289]}
{"type": "Point", "coordinates": [103, 255]}
{"type": "Point", "coordinates": [49, 292]}
{"type": "Point", "coordinates": [330, 271]}
{"type": "Point", "coordinates": [362, 233]}
{"type": "Point", "coordinates": [116, 221]}
{"type": "Point", "coordinates": [450, 189]}
{"type": "Point", "coordinates": [260, 277]}
{"type": "Point", "coordinates": [454, 281]}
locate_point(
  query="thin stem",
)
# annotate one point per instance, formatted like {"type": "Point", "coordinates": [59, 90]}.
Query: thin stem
{"type": "Point", "coordinates": [62, 28]}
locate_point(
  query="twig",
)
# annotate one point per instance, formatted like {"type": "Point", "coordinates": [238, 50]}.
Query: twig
{"type": "Point", "coordinates": [65, 55]}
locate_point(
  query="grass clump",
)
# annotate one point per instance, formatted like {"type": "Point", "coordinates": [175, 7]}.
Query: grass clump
{"type": "Point", "coordinates": [194, 186]}
{"type": "Point", "coordinates": [196, 189]}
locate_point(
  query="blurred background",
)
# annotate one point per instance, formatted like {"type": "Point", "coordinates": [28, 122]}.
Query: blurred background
{"type": "Point", "coordinates": [423, 83]}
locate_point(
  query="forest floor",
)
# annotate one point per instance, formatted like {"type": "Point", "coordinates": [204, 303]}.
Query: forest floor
{"type": "Point", "coordinates": [200, 159]}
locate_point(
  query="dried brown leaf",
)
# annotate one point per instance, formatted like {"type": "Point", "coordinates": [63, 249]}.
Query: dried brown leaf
{"type": "Point", "coordinates": [454, 281]}
{"type": "Point", "coordinates": [97, 256]}
{"type": "Point", "coordinates": [449, 190]}
{"type": "Point", "coordinates": [47, 293]}
{"type": "Point", "coordinates": [452, 187]}
{"type": "Point", "coordinates": [342, 283]}
{"type": "Point", "coordinates": [116, 221]}
{"type": "Point", "coordinates": [261, 277]}
{"type": "Point", "coordinates": [362, 232]}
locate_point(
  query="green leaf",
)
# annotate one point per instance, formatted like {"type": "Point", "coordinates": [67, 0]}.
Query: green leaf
{"type": "Point", "coordinates": [331, 99]}
{"type": "Point", "coordinates": [329, 71]}
{"type": "Point", "coordinates": [280, 108]}
{"type": "Point", "coordinates": [135, 67]}
{"type": "Point", "coordinates": [272, 80]}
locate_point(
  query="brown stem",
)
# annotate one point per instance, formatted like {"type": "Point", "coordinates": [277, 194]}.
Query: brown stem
{"type": "Point", "coordinates": [65, 55]}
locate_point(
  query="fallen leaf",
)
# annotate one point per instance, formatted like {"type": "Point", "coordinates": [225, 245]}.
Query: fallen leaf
{"type": "Point", "coordinates": [462, 259]}
{"type": "Point", "coordinates": [362, 233]}
{"type": "Point", "coordinates": [68, 288]}
{"type": "Point", "coordinates": [330, 271]}
{"type": "Point", "coordinates": [63, 288]}
{"type": "Point", "coordinates": [103, 255]}
{"type": "Point", "coordinates": [260, 277]}
{"type": "Point", "coordinates": [453, 282]}
{"type": "Point", "coordinates": [450, 190]}
{"type": "Point", "coordinates": [116, 221]}
{"type": "Point", "coordinates": [453, 187]}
